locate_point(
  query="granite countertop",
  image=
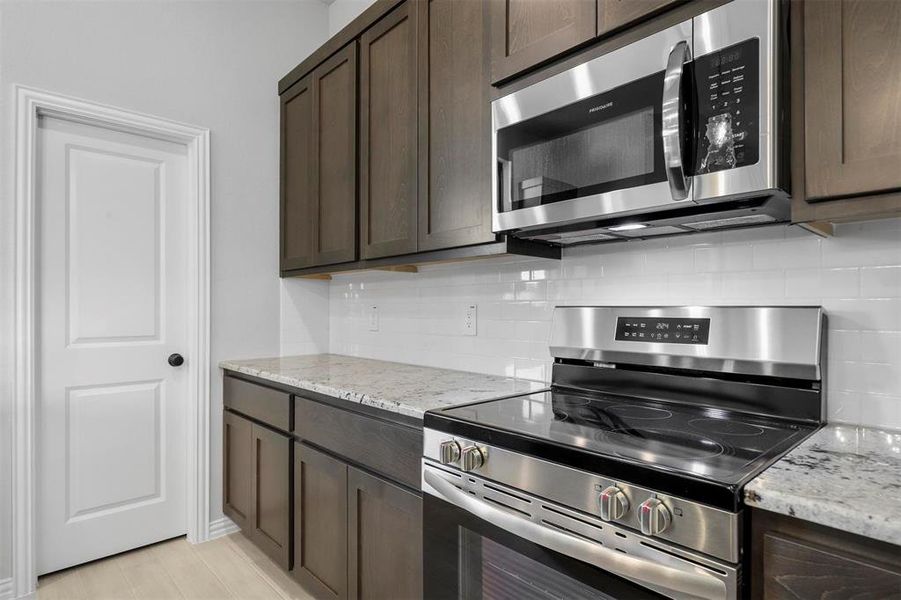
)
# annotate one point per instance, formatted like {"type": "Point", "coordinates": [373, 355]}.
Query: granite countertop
{"type": "Point", "coordinates": [397, 387]}
{"type": "Point", "coordinates": [843, 476]}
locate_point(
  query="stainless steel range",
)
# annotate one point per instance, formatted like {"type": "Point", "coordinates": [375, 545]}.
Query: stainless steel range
{"type": "Point", "coordinates": [624, 480]}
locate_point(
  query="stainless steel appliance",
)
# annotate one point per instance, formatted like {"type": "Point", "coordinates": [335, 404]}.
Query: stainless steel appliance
{"type": "Point", "coordinates": [624, 480]}
{"type": "Point", "coordinates": [677, 132]}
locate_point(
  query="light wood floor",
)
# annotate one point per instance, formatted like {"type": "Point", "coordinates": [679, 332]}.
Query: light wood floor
{"type": "Point", "coordinates": [229, 567]}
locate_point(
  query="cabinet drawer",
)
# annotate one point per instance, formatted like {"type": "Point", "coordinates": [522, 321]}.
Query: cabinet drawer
{"type": "Point", "coordinates": [264, 404]}
{"type": "Point", "coordinates": [390, 449]}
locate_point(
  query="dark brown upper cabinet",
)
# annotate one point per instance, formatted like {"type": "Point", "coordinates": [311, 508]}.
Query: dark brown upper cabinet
{"type": "Point", "coordinates": [297, 203]}
{"type": "Point", "coordinates": [454, 124]}
{"type": "Point", "coordinates": [388, 135]}
{"type": "Point", "coordinates": [847, 161]}
{"type": "Point", "coordinates": [526, 33]}
{"type": "Point", "coordinates": [318, 194]}
{"type": "Point", "coordinates": [613, 14]}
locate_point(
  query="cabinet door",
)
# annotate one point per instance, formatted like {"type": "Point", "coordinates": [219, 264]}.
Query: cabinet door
{"type": "Point", "coordinates": [388, 137]}
{"type": "Point", "coordinates": [320, 523]}
{"type": "Point", "coordinates": [852, 91]}
{"type": "Point", "coordinates": [794, 570]}
{"type": "Point", "coordinates": [385, 539]}
{"type": "Point", "coordinates": [613, 14]}
{"type": "Point", "coordinates": [298, 204]}
{"type": "Point", "coordinates": [525, 33]}
{"type": "Point", "coordinates": [237, 470]}
{"type": "Point", "coordinates": [272, 494]}
{"type": "Point", "coordinates": [334, 180]}
{"type": "Point", "coordinates": [454, 124]}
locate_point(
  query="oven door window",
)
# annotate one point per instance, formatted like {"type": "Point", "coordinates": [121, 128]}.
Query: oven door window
{"type": "Point", "coordinates": [607, 142]}
{"type": "Point", "coordinates": [466, 558]}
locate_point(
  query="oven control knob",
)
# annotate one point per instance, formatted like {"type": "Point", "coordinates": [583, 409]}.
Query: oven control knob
{"type": "Point", "coordinates": [472, 458]}
{"type": "Point", "coordinates": [653, 516]}
{"type": "Point", "coordinates": [449, 452]}
{"type": "Point", "coordinates": [614, 503]}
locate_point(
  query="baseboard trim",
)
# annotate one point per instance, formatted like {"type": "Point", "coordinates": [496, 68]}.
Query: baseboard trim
{"type": "Point", "coordinates": [219, 527]}
{"type": "Point", "coordinates": [6, 589]}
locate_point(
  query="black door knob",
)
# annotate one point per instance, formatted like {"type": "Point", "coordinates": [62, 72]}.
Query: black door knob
{"type": "Point", "coordinates": [176, 360]}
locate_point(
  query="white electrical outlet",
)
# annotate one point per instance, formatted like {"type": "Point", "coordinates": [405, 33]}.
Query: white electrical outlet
{"type": "Point", "coordinates": [373, 318]}
{"type": "Point", "coordinates": [470, 318]}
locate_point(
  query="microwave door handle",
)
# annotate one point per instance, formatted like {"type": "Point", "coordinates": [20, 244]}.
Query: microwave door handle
{"type": "Point", "coordinates": [505, 181]}
{"type": "Point", "coordinates": [680, 584]}
{"type": "Point", "coordinates": [679, 182]}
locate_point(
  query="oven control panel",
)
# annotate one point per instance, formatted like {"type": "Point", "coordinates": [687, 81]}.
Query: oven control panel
{"type": "Point", "coordinates": [663, 330]}
{"type": "Point", "coordinates": [727, 129]}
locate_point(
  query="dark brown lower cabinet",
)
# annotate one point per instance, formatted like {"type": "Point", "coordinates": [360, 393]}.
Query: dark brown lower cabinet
{"type": "Point", "coordinates": [272, 494]}
{"type": "Point", "coordinates": [237, 470]}
{"type": "Point", "coordinates": [385, 539]}
{"type": "Point", "coordinates": [335, 501]}
{"type": "Point", "coordinates": [355, 535]}
{"type": "Point", "coordinates": [798, 560]}
{"type": "Point", "coordinates": [320, 522]}
{"type": "Point", "coordinates": [257, 484]}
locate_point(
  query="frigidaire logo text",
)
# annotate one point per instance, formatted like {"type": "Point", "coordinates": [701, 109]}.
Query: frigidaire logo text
{"type": "Point", "coordinates": [600, 107]}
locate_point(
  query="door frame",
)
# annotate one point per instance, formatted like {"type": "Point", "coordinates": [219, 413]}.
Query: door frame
{"type": "Point", "coordinates": [33, 103]}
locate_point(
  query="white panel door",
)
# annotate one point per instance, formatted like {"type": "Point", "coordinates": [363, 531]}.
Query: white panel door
{"type": "Point", "coordinates": [112, 301]}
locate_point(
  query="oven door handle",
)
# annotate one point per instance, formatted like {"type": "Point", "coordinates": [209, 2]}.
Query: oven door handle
{"type": "Point", "coordinates": [673, 582]}
{"type": "Point", "coordinates": [679, 182]}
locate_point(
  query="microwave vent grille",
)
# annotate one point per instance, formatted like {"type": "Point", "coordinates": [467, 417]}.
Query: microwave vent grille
{"type": "Point", "coordinates": [650, 231]}
{"type": "Point", "coordinates": [730, 222]}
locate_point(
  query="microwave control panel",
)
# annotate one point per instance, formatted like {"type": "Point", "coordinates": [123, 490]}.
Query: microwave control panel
{"type": "Point", "coordinates": [665, 330]}
{"type": "Point", "coordinates": [728, 127]}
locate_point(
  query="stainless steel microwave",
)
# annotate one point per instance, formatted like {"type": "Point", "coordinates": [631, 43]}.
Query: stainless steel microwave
{"type": "Point", "coordinates": [680, 131]}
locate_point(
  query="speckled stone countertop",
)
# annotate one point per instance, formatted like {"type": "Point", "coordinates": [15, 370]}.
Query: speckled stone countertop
{"type": "Point", "coordinates": [843, 476]}
{"type": "Point", "coordinates": [400, 388]}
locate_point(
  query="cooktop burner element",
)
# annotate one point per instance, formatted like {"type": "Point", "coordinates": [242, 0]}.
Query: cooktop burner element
{"type": "Point", "coordinates": [726, 427]}
{"type": "Point", "coordinates": [635, 411]}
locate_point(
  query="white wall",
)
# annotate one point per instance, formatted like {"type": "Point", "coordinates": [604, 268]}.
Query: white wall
{"type": "Point", "coordinates": [342, 12]}
{"type": "Point", "coordinates": [856, 276]}
{"type": "Point", "coordinates": [214, 64]}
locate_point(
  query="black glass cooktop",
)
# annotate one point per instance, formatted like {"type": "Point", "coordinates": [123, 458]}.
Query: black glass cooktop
{"type": "Point", "coordinates": [702, 443]}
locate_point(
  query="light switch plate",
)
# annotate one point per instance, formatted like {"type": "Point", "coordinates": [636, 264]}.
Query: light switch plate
{"type": "Point", "coordinates": [470, 319]}
{"type": "Point", "coordinates": [373, 318]}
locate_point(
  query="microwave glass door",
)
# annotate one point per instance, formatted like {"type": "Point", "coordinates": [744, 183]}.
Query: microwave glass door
{"type": "Point", "coordinates": [610, 141]}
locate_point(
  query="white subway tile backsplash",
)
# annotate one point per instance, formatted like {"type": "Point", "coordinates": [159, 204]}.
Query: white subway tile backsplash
{"type": "Point", "coordinates": [880, 282]}
{"type": "Point", "coordinates": [790, 253]}
{"type": "Point", "coordinates": [723, 258]}
{"type": "Point", "coordinates": [855, 276]}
